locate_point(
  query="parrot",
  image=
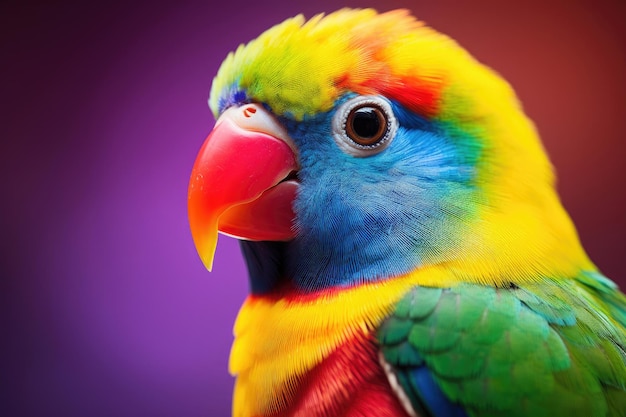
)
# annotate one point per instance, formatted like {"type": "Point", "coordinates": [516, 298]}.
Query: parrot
{"type": "Point", "coordinates": [407, 252]}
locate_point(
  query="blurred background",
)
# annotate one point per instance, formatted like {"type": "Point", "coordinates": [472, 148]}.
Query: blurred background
{"type": "Point", "coordinates": [106, 308]}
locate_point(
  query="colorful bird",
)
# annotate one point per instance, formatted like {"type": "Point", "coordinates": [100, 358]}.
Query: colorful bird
{"type": "Point", "coordinates": [407, 252]}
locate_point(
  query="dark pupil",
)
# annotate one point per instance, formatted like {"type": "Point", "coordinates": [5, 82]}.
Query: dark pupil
{"type": "Point", "coordinates": [366, 122]}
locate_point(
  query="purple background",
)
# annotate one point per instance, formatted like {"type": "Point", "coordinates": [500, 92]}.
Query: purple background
{"type": "Point", "coordinates": [110, 312]}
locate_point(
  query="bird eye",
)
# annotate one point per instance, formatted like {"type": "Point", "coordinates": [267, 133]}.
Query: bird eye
{"type": "Point", "coordinates": [364, 125]}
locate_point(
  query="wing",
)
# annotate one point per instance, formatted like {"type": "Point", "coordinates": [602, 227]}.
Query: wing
{"type": "Point", "coordinates": [539, 350]}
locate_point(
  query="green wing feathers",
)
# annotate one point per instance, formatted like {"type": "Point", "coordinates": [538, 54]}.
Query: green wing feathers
{"type": "Point", "coordinates": [543, 349]}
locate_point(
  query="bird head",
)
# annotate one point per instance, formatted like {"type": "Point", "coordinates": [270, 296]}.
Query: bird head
{"type": "Point", "coordinates": [368, 146]}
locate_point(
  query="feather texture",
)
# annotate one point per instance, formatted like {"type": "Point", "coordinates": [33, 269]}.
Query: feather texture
{"type": "Point", "coordinates": [539, 349]}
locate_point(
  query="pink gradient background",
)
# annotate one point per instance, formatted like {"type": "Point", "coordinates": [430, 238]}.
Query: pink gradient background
{"type": "Point", "coordinates": [108, 311]}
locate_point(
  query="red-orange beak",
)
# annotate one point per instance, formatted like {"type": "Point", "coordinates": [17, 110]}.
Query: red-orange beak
{"type": "Point", "coordinates": [239, 183]}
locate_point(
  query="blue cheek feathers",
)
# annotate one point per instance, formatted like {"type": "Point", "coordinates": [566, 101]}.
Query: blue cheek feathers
{"type": "Point", "coordinates": [362, 219]}
{"type": "Point", "coordinates": [365, 219]}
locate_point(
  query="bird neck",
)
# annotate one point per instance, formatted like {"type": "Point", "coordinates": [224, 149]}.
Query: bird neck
{"type": "Point", "coordinates": [519, 241]}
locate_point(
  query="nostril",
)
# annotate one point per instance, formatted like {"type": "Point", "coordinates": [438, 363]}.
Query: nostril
{"type": "Point", "coordinates": [249, 111]}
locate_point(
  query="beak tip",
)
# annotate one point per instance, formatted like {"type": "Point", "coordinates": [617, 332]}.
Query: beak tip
{"type": "Point", "coordinates": [205, 246]}
{"type": "Point", "coordinates": [207, 253]}
{"type": "Point", "coordinates": [207, 260]}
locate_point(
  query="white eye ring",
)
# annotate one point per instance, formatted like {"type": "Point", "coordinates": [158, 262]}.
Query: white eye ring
{"type": "Point", "coordinates": [379, 116]}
